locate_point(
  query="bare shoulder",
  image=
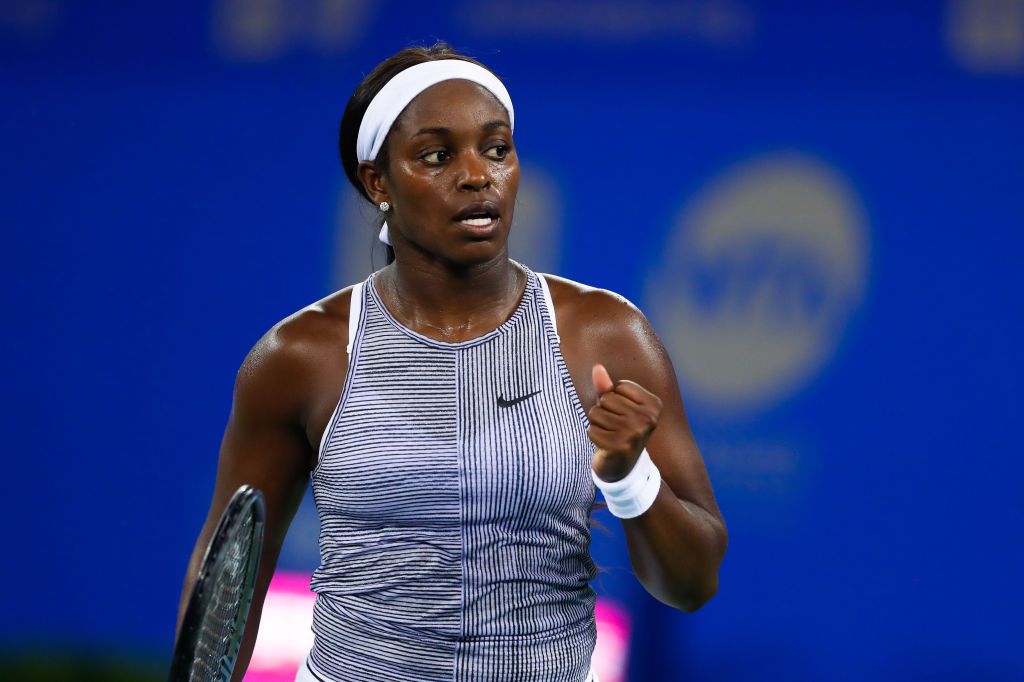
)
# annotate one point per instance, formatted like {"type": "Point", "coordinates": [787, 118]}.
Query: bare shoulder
{"type": "Point", "coordinates": [595, 312]}
{"type": "Point", "coordinates": [598, 326]}
{"type": "Point", "coordinates": [284, 368]}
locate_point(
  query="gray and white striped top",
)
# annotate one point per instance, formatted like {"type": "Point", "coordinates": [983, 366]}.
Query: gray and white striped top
{"type": "Point", "coordinates": [454, 492]}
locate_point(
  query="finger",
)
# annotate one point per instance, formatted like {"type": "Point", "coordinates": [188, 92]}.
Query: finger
{"type": "Point", "coordinates": [606, 420]}
{"type": "Point", "coordinates": [637, 393]}
{"type": "Point", "coordinates": [612, 442]}
{"type": "Point", "coordinates": [602, 380]}
{"type": "Point", "coordinates": [617, 403]}
{"type": "Point", "coordinates": [602, 438]}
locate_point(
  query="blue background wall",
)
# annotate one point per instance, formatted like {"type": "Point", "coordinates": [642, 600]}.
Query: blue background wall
{"type": "Point", "coordinates": [819, 207]}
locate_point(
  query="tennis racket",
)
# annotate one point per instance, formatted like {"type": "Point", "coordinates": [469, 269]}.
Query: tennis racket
{"type": "Point", "coordinates": [211, 631]}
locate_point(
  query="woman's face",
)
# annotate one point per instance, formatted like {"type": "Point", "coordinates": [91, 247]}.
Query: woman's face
{"type": "Point", "coordinates": [453, 173]}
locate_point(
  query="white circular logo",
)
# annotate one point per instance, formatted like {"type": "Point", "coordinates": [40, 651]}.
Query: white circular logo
{"type": "Point", "coordinates": [758, 280]}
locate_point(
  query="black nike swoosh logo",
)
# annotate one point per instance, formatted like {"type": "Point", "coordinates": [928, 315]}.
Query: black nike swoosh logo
{"type": "Point", "coordinates": [515, 401]}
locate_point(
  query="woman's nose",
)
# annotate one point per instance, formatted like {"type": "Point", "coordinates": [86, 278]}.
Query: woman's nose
{"type": "Point", "coordinates": [475, 175]}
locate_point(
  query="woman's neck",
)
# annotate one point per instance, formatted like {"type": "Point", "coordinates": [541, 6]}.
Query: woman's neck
{"type": "Point", "coordinates": [451, 304]}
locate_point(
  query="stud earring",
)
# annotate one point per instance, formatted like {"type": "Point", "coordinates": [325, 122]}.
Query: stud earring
{"type": "Point", "coordinates": [385, 206]}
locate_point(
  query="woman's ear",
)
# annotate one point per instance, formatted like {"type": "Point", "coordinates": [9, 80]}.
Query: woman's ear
{"type": "Point", "coordinates": [373, 181]}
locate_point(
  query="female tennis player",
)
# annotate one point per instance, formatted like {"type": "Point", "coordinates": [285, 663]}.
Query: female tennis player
{"type": "Point", "coordinates": [456, 413]}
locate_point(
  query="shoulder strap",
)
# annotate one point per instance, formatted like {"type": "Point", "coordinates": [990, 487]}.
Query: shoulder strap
{"type": "Point", "coordinates": [355, 310]}
{"type": "Point", "coordinates": [546, 294]}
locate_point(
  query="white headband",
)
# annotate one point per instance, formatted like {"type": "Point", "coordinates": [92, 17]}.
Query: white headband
{"type": "Point", "coordinates": [396, 94]}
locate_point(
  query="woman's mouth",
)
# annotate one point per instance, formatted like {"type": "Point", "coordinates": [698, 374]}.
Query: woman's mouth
{"type": "Point", "coordinates": [482, 221]}
{"type": "Point", "coordinates": [479, 227]}
{"type": "Point", "coordinates": [479, 219]}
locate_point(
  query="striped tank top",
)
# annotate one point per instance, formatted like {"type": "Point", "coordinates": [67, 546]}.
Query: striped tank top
{"type": "Point", "coordinates": [453, 488]}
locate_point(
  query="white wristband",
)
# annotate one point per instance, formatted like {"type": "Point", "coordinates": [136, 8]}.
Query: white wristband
{"type": "Point", "coordinates": [634, 494]}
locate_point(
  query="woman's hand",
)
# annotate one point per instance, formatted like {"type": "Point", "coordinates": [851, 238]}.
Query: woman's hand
{"type": "Point", "coordinates": [621, 421]}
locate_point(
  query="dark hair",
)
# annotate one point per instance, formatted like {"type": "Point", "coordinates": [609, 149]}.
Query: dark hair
{"type": "Point", "coordinates": [348, 131]}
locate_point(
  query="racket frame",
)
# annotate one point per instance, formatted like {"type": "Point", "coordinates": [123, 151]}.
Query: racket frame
{"type": "Point", "coordinates": [246, 499]}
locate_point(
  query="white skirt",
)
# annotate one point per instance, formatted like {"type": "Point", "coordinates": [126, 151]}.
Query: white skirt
{"type": "Point", "coordinates": [304, 674]}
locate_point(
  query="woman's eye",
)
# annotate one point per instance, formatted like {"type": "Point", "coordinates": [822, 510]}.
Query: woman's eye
{"type": "Point", "coordinates": [498, 152]}
{"type": "Point", "coordinates": [436, 157]}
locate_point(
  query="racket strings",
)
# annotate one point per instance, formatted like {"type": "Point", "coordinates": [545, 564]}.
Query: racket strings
{"type": "Point", "coordinates": [219, 633]}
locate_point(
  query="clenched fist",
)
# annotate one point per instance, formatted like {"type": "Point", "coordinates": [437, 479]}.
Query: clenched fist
{"type": "Point", "coordinates": [621, 421]}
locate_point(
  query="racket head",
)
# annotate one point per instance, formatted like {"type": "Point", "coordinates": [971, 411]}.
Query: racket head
{"type": "Point", "coordinates": [211, 631]}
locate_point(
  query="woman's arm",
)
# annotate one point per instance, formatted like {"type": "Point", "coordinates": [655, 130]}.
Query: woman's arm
{"type": "Point", "coordinates": [676, 546]}
{"type": "Point", "coordinates": [264, 445]}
